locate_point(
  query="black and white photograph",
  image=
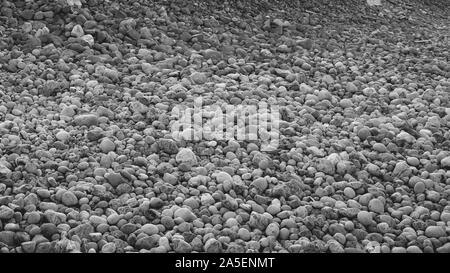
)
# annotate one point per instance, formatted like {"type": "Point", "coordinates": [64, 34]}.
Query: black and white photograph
{"type": "Point", "coordinates": [224, 135]}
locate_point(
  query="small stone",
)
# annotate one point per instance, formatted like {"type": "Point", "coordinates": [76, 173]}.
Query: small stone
{"type": "Point", "coordinates": [244, 234]}
{"type": "Point", "coordinates": [213, 246]}
{"type": "Point", "coordinates": [148, 242]}
{"type": "Point", "coordinates": [69, 199]}
{"type": "Point", "coordinates": [365, 218]}
{"type": "Point", "coordinates": [7, 237]}
{"type": "Point", "coordinates": [185, 214]}
{"type": "Point", "coordinates": [326, 166]}
{"type": "Point", "coordinates": [435, 232]}
{"type": "Point", "coordinates": [413, 249]}
{"type": "Point", "coordinates": [170, 178]}
{"type": "Point", "coordinates": [109, 248]}
{"type": "Point", "coordinates": [181, 246]}
{"type": "Point", "coordinates": [349, 193]}
{"type": "Point", "coordinates": [89, 39]}
{"type": "Point", "coordinates": [115, 179]}
{"type": "Point", "coordinates": [364, 133]}
{"type": "Point", "coordinates": [260, 183]}
{"type": "Point", "coordinates": [29, 247]}
{"type": "Point", "coordinates": [273, 230]}
{"type": "Point", "coordinates": [150, 229]}
{"type": "Point", "coordinates": [419, 187]}
{"type": "Point", "coordinates": [62, 136]}
{"type": "Point", "coordinates": [444, 249]}
{"type": "Point", "coordinates": [34, 217]}
{"type": "Point", "coordinates": [186, 155]}
{"type": "Point", "coordinates": [305, 43]}
{"type": "Point", "coordinates": [445, 162]}
{"type": "Point", "coordinates": [346, 103]}
{"type": "Point", "coordinates": [401, 169]}
{"type": "Point", "coordinates": [106, 145]}
{"type": "Point", "coordinates": [86, 120]}
{"type": "Point", "coordinates": [50, 88]}
{"type": "Point", "coordinates": [413, 161]}
{"type": "Point", "coordinates": [198, 78]}
{"type": "Point", "coordinates": [97, 220]}
{"type": "Point", "coordinates": [168, 146]}
{"type": "Point", "coordinates": [77, 31]}
{"type": "Point", "coordinates": [379, 147]}
{"type": "Point", "coordinates": [128, 228]}
{"type": "Point", "coordinates": [375, 205]}
{"type": "Point", "coordinates": [48, 229]}
{"type": "Point", "coordinates": [221, 177]}
{"type": "Point", "coordinates": [6, 213]}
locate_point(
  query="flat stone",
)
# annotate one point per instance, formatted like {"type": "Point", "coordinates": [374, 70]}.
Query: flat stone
{"type": "Point", "coordinates": [86, 120]}
{"type": "Point", "coordinates": [375, 205]}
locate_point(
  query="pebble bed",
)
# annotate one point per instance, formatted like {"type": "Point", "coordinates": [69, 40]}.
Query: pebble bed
{"type": "Point", "coordinates": [88, 164]}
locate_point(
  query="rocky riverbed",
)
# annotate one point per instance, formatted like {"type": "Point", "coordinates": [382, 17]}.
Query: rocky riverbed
{"type": "Point", "coordinates": [88, 162]}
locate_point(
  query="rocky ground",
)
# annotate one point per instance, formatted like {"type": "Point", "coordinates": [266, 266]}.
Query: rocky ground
{"type": "Point", "coordinates": [87, 162]}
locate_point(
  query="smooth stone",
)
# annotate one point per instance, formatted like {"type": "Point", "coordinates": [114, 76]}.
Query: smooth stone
{"type": "Point", "coordinates": [69, 199]}
{"type": "Point", "coordinates": [435, 232]}
{"type": "Point", "coordinates": [185, 214]}
{"type": "Point", "coordinates": [186, 155]}
{"type": "Point", "coordinates": [106, 145]}
{"type": "Point", "coordinates": [365, 218]}
{"type": "Point", "coordinates": [86, 120]}
{"type": "Point", "coordinates": [150, 229]}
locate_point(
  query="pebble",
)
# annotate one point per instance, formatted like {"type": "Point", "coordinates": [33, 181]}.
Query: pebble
{"type": "Point", "coordinates": [376, 205]}
{"type": "Point", "coordinates": [213, 246]}
{"type": "Point", "coordinates": [69, 199]}
{"type": "Point", "coordinates": [186, 155]}
{"type": "Point", "coordinates": [77, 31]}
{"type": "Point", "coordinates": [62, 136]}
{"type": "Point", "coordinates": [273, 230]}
{"type": "Point", "coordinates": [419, 187]}
{"type": "Point", "coordinates": [106, 145]}
{"type": "Point", "coordinates": [198, 78]}
{"type": "Point", "coordinates": [6, 213]}
{"type": "Point", "coordinates": [185, 214]}
{"type": "Point", "coordinates": [445, 162]}
{"type": "Point", "coordinates": [115, 179]}
{"type": "Point", "coordinates": [435, 232]}
{"type": "Point", "coordinates": [150, 229]}
{"type": "Point", "coordinates": [365, 218]}
{"type": "Point", "coordinates": [260, 183]}
{"type": "Point", "coordinates": [89, 162]}
{"type": "Point", "coordinates": [86, 120]}
{"type": "Point", "coordinates": [349, 193]}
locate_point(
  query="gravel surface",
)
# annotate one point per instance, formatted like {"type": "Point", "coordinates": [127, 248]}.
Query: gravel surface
{"type": "Point", "coordinates": [88, 162]}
